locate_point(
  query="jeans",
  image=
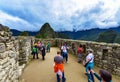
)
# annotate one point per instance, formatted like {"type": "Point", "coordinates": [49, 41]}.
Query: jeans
{"type": "Point", "coordinates": [63, 78]}
{"type": "Point", "coordinates": [65, 55]}
{"type": "Point", "coordinates": [89, 65]}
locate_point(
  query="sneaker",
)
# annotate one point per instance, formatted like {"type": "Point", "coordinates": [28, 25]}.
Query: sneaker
{"type": "Point", "coordinates": [64, 80]}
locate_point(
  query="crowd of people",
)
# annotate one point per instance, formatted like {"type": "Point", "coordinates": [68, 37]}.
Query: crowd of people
{"type": "Point", "coordinates": [40, 48]}
{"type": "Point", "coordinates": [62, 57]}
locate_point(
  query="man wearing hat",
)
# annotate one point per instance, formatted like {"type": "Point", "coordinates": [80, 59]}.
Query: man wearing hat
{"type": "Point", "coordinates": [89, 60]}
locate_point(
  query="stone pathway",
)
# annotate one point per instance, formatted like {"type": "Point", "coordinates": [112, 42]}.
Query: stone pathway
{"type": "Point", "coordinates": [42, 71]}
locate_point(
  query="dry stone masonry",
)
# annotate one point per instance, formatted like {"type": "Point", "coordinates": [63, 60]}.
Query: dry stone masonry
{"type": "Point", "coordinates": [11, 50]}
{"type": "Point", "coordinates": [107, 56]}
{"type": "Point", "coordinates": [15, 53]}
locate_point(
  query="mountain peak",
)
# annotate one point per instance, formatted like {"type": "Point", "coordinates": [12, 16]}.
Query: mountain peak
{"type": "Point", "coordinates": [46, 31]}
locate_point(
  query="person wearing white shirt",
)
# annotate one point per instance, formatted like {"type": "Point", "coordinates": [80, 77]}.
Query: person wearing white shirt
{"type": "Point", "coordinates": [64, 49]}
{"type": "Point", "coordinates": [89, 61]}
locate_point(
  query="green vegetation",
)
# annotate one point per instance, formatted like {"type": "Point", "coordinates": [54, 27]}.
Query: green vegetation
{"type": "Point", "coordinates": [108, 36]}
{"type": "Point", "coordinates": [60, 35]}
{"type": "Point", "coordinates": [46, 31]}
{"type": "Point", "coordinates": [24, 33]}
{"type": "Point", "coordinates": [117, 39]}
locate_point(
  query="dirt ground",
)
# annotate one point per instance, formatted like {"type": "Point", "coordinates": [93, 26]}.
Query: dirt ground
{"type": "Point", "coordinates": [42, 71]}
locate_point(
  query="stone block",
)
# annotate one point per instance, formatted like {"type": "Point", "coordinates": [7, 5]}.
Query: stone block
{"type": "Point", "coordinates": [117, 72]}
{"type": "Point", "coordinates": [10, 72]}
{"type": "Point", "coordinates": [4, 78]}
{"type": "Point", "coordinates": [4, 61]}
{"type": "Point", "coordinates": [7, 80]}
{"type": "Point", "coordinates": [2, 74]}
{"type": "Point", "coordinates": [104, 61]}
{"type": "Point", "coordinates": [9, 45]}
{"type": "Point", "coordinates": [2, 39]}
{"type": "Point", "coordinates": [3, 55]}
{"type": "Point", "coordinates": [2, 33]}
{"type": "Point", "coordinates": [2, 47]}
{"type": "Point", "coordinates": [12, 54]}
{"type": "Point", "coordinates": [6, 65]}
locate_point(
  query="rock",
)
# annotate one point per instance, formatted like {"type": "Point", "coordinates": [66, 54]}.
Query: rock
{"type": "Point", "coordinates": [2, 47]}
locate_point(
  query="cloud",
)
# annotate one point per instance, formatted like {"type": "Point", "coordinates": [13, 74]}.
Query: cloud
{"type": "Point", "coordinates": [61, 14]}
{"type": "Point", "coordinates": [16, 22]}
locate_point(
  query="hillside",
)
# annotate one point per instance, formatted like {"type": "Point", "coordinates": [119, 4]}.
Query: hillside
{"type": "Point", "coordinates": [15, 32]}
{"type": "Point", "coordinates": [89, 35]}
{"type": "Point", "coordinates": [46, 31]}
{"type": "Point", "coordinates": [109, 36]}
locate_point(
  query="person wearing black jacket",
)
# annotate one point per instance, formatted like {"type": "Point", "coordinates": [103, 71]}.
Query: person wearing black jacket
{"type": "Point", "coordinates": [43, 52]}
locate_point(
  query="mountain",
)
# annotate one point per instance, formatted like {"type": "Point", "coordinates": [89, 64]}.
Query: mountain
{"type": "Point", "coordinates": [108, 36]}
{"type": "Point", "coordinates": [95, 34]}
{"type": "Point", "coordinates": [24, 33]}
{"type": "Point", "coordinates": [46, 31]}
{"type": "Point", "coordinates": [89, 35]}
{"type": "Point", "coordinates": [15, 32]}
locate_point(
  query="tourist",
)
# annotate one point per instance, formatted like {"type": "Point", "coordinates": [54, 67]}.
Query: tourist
{"type": "Point", "coordinates": [79, 51]}
{"type": "Point", "coordinates": [64, 50]}
{"type": "Point", "coordinates": [43, 52]}
{"type": "Point", "coordinates": [105, 76]}
{"type": "Point", "coordinates": [89, 60]}
{"type": "Point", "coordinates": [59, 67]}
{"type": "Point", "coordinates": [48, 47]}
{"type": "Point", "coordinates": [39, 45]}
{"type": "Point", "coordinates": [35, 52]}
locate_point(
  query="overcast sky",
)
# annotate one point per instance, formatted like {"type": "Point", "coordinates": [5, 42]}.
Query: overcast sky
{"type": "Point", "coordinates": [61, 14]}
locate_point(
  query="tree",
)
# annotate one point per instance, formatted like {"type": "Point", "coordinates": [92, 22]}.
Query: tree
{"type": "Point", "coordinates": [24, 33]}
{"type": "Point", "coordinates": [107, 36]}
{"type": "Point", "coordinates": [117, 39]}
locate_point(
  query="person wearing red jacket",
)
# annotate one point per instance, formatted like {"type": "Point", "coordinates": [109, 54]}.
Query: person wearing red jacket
{"type": "Point", "coordinates": [79, 51]}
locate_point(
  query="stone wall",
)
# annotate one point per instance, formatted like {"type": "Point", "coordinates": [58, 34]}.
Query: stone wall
{"type": "Point", "coordinates": [107, 56]}
{"type": "Point", "coordinates": [14, 55]}
{"type": "Point", "coordinates": [53, 42]}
